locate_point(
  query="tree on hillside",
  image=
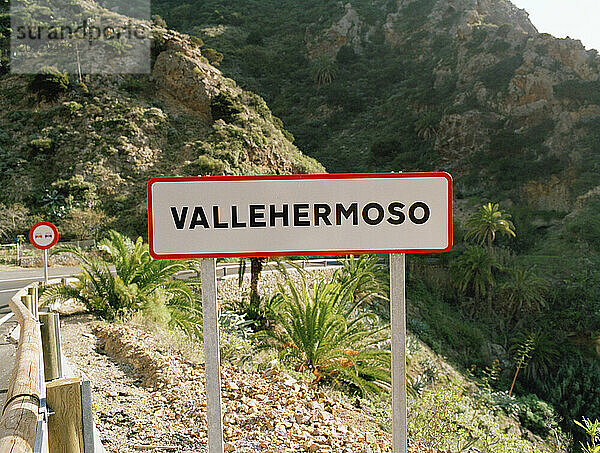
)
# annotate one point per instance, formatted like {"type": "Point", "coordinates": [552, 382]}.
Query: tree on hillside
{"type": "Point", "coordinates": [474, 273]}
{"type": "Point", "coordinates": [324, 70]}
{"type": "Point", "coordinates": [13, 219]}
{"type": "Point", "coordinates": [524, 291]}
{"type": "Point", "coordinates": [369, 280]}
{"type": "Point", "coordinates": [487, 222]}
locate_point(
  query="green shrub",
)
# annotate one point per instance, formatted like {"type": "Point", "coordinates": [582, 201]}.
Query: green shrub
{"type": "Point", "coordinates": [206, 165]}
{"type": "Point", "coordinates": [573, 390]}
{"type": "Point", "coordinates": [445, 418]}
{"type": "Point", "coordinates": [586, 224]}
{"type": "Point", "coordinates": [214, 57]}
{"type": "Point", "coordinates": [385, 149]}
{"type": "Point", "coordinates": [132, 84]}
{"type": "Point", "coordinates": [224, 107]}
{"type": "Point", "coordinates": [197, 41]}
{"type": "Point", "coordinates": [138, 283]}
{"type": "Point", "coordinates": [159, 21]}
{"type": "Point", "coordinates": [536, 415]}
{"type": "Point", "coordinates": [41, 145]}
{"type": "Point", "coordinates": [255, 38]}
{"type": "Point", "coordinates": [346, 55]}
{"type": "Point", "coordinates": [72, 107]}
{"type": "Point", "coordinates": [322, 331]}
{"type": "Point", "coordinates": [500, 46]}
{"type": "Point", "coordinates": [50, 83]}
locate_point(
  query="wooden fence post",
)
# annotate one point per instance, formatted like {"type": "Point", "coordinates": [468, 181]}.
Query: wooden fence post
{"type": "Point", "coordinates": [26, 300]}
{"type": "Point", "coordinates": [50, 330]}
{"type": "Point", "coordinates": [65, 426]}
{"type": "Point", "coordinates": [33, 292]}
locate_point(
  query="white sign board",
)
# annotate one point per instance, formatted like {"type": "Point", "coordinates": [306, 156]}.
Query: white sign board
{"type": "Point", "coordinates": [201, 217]}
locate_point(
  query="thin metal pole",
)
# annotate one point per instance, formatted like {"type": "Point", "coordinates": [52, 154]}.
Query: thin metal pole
{"type": "Point", "coordinates": [46, 267]}
{"type": "Point", "coordinates": [212, 356]}
{"type": "Point", "coordinates": [398, 327]}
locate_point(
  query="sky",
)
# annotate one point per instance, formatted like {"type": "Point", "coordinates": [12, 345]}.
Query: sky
{"type": "Point", "coordinates": [578, 19]}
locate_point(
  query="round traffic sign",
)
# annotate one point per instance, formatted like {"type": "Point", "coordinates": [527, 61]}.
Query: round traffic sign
{"type": "Point", "coordinates": [43, 235]}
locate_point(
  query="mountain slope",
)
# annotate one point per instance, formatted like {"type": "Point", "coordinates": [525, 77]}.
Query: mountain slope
{"type": "Point", "coordinates": [464, 85]}
{"type": "Point", "coordinates": [82, 154]}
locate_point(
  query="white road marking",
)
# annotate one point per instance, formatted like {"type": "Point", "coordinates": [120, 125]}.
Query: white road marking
{"type": "Point", "coordinates": [41, 277]}
{"type": "Point", "coordinates": [6, 318]}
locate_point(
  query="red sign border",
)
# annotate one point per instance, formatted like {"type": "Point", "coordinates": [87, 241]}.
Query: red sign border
{"type": "Point", "coordinates": [297, 177]}
{"type": "Point", "coordinates": [54, 241]}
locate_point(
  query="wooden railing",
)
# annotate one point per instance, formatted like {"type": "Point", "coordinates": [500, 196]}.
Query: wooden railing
{"type": "Point", "coordinates": [21, 412]}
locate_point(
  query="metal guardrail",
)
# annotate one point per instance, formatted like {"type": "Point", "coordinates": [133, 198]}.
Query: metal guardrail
{"type": "Point", "coordinates": [225, 270]}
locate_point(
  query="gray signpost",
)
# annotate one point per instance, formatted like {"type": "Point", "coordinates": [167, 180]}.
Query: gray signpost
{"type": "Point", "coordinates": [212, 360]}
{"type": "Point", "coordinates": [398, 329]}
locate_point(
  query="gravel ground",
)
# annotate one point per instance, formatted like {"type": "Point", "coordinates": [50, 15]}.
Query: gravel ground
{"type": "Point", "coordinates": [130, 417]}
{"type": "Point", "coordinates": [148, 395]}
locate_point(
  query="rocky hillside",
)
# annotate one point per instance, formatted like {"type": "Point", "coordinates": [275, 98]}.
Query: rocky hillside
{"type": "Point", "coordinates": [80, 153]}
{"type": "Point", "coordinates": [468, 86]}
{"type": "Point", "coordinates": [149, 393]}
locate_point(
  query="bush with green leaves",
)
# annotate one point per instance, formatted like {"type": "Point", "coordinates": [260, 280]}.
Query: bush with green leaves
{"type": "Point", "coordinates": [224, 107]}
{"type": "Point", "coordinates": [592, 431]}
{"type": "Point", "coordinates": [49, 83]}
{"type": "Point", "coordinates": [446, 418]}
{"type": "Point", "coordinates": [573, 390]}
{"type": "Point", "coordinates": [322, 331]}
{"type": "Point", "coordinates": [138, 283]}
{"type": "Point", "coordinates": [523, 292]}
{"type": "Point", "coordinates": [474, 272]}
{"type": "Point", "coordinates": [536, 415]}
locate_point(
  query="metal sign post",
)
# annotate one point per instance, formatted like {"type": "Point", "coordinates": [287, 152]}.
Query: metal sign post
{"type": "Point", "coordinates": [46, 267]}
{"type": "Point", "coordinates": [212, 361]}
{"type": "Point", "coordinates": [398, 329]}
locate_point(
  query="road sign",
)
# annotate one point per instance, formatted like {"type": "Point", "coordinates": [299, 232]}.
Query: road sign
{"type": "Point", "coordinates": [43, 235]}
{"type": "Point", "coordinates": [201, 217]}
{"type": "Point", "coordinates": [209, 217]}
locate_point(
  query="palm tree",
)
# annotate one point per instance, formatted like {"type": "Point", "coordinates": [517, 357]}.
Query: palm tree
{"type": "Point", "coordinates": [322, 331]}
{"type": "Point", "coordinates": [524, 291]}
{"type": "Point", "coordinates": [486, 222]}
{"type": "Point", "coordinates": [426, 125]}
{"type": "Point", "coordinates": [370, 280]}
{"type": "Point", "coordinates": [324, 70]}
{"type": "Point", "coordinates": [137, 283]}
{"type": "Point", "coordinates": [474, 273]}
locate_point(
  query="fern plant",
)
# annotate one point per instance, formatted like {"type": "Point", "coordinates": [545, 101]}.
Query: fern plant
{"type": "Point", "coordinates": [138, 282]}
{"type": "Point", "coordinates": [322, 331]}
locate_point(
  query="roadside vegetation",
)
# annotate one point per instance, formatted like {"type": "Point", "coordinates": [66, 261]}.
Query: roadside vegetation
{"type": "Point", "coordinates": [334, 332]}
